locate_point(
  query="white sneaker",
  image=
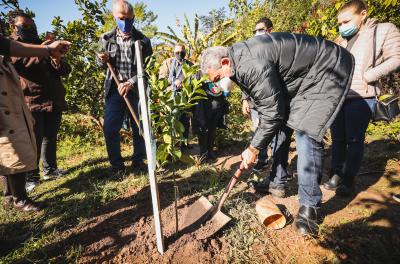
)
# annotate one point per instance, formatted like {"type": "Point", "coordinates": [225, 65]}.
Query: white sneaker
{"type": "Point", "coordinates": [31, 185]}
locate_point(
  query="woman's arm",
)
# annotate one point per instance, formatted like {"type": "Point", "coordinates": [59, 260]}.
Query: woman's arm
{"type": "Point", "coordinates": [19, 49]}
{"type": "Point", "coordinates": [390, 56]}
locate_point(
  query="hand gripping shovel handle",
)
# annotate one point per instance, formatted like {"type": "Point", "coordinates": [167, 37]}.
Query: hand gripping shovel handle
{"type": "Point", "coordinates": [125, 98]}
{"type": "Point", "coordinates": [229, 187]}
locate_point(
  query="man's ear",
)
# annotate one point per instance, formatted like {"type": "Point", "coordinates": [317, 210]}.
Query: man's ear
{"type": "Point", "coordinates": [226, 62]}
{"type": "Point", "coordinates": [364, 14]}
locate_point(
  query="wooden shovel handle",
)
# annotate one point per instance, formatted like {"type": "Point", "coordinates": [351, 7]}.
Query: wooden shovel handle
{"type": "Point", "coordinates": [110, 67]}
{"type": "Point", "coordinates": [230, 185]}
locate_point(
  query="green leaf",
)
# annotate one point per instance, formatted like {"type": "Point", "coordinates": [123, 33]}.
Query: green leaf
{"type": "Point", "coordinates": [187, 159]}
{"type": "Point", "coordinates": [167, 138]}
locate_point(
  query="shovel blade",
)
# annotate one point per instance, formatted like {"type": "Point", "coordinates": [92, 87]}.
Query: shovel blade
{"type": "Point", "coordinates": [213, 225]}
{"type": "Point", "coordinates": [196, 212]}
{"type": "Point", "coordinates": [199, 219]}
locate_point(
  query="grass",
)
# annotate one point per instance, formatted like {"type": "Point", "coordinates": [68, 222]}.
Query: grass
{"type": "Point", "coordinates": [75, 199]}
{"type": "Point", "coordinates": [69, 201]}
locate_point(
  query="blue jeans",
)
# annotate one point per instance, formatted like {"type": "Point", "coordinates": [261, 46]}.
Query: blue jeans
{"type": "Point", "coordinates": [280, 152]}
{"type": "Point", "coordinates": [113, 119]}
{"type": "Point", "coordinates": [348, 135]}
{"type": "Point", "coordinates": [309, 167]}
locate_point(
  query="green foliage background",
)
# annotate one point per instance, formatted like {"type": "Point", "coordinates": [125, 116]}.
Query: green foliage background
{"type": "Point", "coordinates": [218, 27]}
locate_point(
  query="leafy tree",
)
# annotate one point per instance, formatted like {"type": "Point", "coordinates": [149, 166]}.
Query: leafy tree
{"type": "Point", "coordinates": [10, 5]}
{"type": "Point", "coordinates": [85, 84]}
{"type": "Point", "coordinates": [213, 19]}
{"type": "Point", "coordinates": [194, 40]}
{"type": "Point", "coordinates": [323, 19]}
{"type": "Point", "coordinates": [167, 109]}
{"type": "Point", "coordinates": [246, 16]}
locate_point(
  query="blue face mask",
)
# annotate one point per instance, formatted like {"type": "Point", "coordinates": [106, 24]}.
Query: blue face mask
{"type": "Point", "coordinates": [226, 94]}
{"type": "Point", "coordinates": [125, 25]}
{"type": "Point", "coordinates": [348, 30]}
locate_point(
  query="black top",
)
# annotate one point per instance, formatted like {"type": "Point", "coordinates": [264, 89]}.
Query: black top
{"type": "Point", "coordinates": [4, 46]}
{"type": "Point", "coordinates": [295, 80]}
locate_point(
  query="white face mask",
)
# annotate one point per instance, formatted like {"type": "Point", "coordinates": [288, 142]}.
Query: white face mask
{"type": "Point", "coordinates": [226, 84]}
{"type": "Point", "coordinates": [260, 32]}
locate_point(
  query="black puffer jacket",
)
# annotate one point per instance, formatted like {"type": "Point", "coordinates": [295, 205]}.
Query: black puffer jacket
{"type": "Point", "coordinates": [294, 80]}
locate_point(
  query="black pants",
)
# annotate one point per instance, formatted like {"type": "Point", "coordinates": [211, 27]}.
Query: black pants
{"type": "Point", "coordinates": [46, 129]}
{"type": "Point", "coordinates": [185, 120]}
{"type": "Point", "coordinates": [207, 116]}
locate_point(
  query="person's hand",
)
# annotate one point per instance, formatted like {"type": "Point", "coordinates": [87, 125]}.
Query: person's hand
{"type": "Point", "coordinates": [249, 157]}
{"type": "Point", "coordinates": [178, 83]}
{"type": "Point", "coordinates": [246, 108]}
{"type": "Point", "coordinates": [55, 56]}
{"type": "Point", "coordinates": [59, 47]}
{"type": "Point", "coordinates": [32, 60]}
{"type": "Point", "coordinates": [103, 57]}
{"type": "Point", "coordinates": [123, 88]}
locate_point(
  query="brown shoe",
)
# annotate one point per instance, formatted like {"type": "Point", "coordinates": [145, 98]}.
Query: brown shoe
{"type": "Point", "coordinates": [27, 205]}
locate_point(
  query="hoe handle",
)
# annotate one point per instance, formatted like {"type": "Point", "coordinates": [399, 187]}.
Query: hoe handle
{"type": "Point", "coordinates": [230, 185]}
{"type": "Point", "coordinates": [125, 98]}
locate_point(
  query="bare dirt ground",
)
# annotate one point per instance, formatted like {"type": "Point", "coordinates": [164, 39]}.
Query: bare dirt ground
{"type": "Point", "coordinates": [361, 229]}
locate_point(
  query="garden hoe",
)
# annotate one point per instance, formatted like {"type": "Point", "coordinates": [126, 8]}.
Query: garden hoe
{"type": "Point", "coordinates": [202, 214]}
{"type": "Point", "coordinates": [110, 67]}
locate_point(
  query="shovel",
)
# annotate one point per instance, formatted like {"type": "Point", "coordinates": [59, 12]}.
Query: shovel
{"type": "Point", "coordinates": [202, 213]}
{"type": "Point", "coordinates": [110, 67]}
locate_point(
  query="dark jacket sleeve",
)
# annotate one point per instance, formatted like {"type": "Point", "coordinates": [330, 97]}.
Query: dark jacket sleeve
{"type": "Point", "coordinates": [270, 104]}
{"type": "Point", "coordinates": [4, 46]}
{"type": "Point", "coordinates": [63, 70]}
{"type": "Point", "coordinates": [147, 49]}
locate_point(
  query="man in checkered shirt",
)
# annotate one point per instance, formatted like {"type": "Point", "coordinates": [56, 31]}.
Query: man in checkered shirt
{"type": "Point", "coordinates": [119, 47]}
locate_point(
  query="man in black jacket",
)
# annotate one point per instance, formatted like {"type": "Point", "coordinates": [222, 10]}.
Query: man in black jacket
{"type": "Point", "coordinates": [119, 47]}
{"type": "Point", "coordinates": [297, 81]}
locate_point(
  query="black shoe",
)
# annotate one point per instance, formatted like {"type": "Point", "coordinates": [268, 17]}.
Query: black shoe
{"type": "Point", "coordinates": [277, 190]}
{"type": "Point", "coordinates": [211, 155]}
{"type": "Point", "coordinates": [345, 190]}
{"type": "Point", "coordinates": [53, 174]}
{"type": "Point", "coordinates": [333, 183]}
{"type": "Point", "coordinates": [260, 166]}
{"type": "Point", "coordinates": [288, 178]}
{"type": "Point", "coordinates": [260, 187]}
{"type": "Point", "coordinates": [186, 146]}
{"type": "Point", "coordinates": [306, 221]}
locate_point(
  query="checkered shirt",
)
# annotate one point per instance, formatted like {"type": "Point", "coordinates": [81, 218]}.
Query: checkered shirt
{"type": "Point", "coordinates": [123, 58]}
